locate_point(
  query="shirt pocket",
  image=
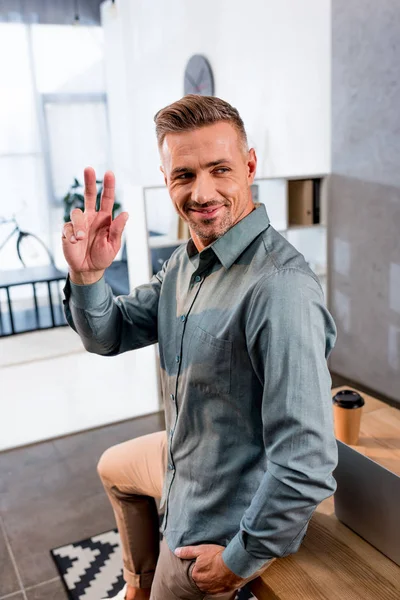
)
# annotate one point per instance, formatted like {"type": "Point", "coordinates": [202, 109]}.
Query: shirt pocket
{"type": "Point", "coordinates": [209, 362]}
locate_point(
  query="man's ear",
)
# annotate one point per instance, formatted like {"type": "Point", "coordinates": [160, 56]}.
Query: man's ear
{"type": "Point", "coordinates": [163, 172]}
{"type": "Point", "coordinates": [251, 165]}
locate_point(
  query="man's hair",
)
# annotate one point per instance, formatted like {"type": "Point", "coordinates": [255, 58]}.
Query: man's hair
{"type": "Point", "coordinates": [192, 112]}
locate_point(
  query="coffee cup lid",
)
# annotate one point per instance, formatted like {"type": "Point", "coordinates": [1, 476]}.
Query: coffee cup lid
{"type": "Point", "coordinates": [348, 399]}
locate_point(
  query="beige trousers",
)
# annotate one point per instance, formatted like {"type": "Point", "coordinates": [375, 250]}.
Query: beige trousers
{"type": "Point", "coordinates": [132, 474]}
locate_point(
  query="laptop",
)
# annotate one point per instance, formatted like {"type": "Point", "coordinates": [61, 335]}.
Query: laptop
{"type": "Point", "coordinates": [367, 500]}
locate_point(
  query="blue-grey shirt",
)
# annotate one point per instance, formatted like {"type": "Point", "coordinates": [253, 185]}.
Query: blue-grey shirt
{"type": "Point", "coordinates": [244, 335]}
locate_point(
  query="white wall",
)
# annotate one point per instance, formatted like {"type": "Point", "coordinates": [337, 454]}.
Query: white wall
{"type": "Point", "coordinates": [117, 94]}
{"type": "Point", "coordinates": [270, 58]}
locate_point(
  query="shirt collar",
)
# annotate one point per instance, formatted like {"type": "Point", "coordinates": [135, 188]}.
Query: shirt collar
{"type": "Point", "coordinates": [235, 241]}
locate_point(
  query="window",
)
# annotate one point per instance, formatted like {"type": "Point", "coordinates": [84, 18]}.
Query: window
{"type": "Point", "coordinates": [77, 137]}
{"type": "Point", "coordinates": [52, 122]}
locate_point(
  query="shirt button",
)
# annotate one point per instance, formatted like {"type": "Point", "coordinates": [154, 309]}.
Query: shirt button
{"type": "Point", "coordinates": [177, 358]}
{"type": "Point", "coordinates": [183, 318]}
{"type": "Point", "coordinates": [197, 278]}
{"type": "Point", "coordinates": [172, 397]}
{"type": "Point", "coordinates": [170, 467]}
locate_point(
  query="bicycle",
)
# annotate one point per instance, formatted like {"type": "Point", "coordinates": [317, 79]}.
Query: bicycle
{"type": "Point", "coordinates": [31, 250]}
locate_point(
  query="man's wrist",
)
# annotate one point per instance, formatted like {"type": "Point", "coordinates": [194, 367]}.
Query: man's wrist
{"type": "Point", "coordinates": [240, 561]}
{"type": "Point", "coordinates": [85, 278]}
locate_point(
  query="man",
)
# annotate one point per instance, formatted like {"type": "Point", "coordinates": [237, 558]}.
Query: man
{"type": "Point", "coordinates": [244, 336]}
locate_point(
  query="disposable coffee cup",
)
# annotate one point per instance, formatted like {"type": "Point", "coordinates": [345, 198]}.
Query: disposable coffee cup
{"type": "Point", "coordinates": [347, 410]}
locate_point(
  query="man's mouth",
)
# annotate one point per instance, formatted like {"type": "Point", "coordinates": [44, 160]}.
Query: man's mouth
{"type": "Point", "coordinates": [206, 212]}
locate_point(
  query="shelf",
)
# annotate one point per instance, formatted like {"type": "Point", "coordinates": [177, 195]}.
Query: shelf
{"type": "Point", "coordinates": [163, 241]}
{"type": "Point", "coordinates": [301, 227]}
{"type": "Point", "coordinates": [292, 177]}
{"type": "Point", "coordinates": [321, 275]}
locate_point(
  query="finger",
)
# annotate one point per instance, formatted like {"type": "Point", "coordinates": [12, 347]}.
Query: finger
{"type": "Point", "coordinates": [90, 191]}
{"type": "Point", "coordinates": [108, 193]}
{"type": "Point", "coordinates": [78, 223]}
{"type": "Point", "coordinates": [188, 551]}
{"type": "Point", "coordinates": [117, 227]}
{"type": "Point", "coordinates": [68, 233]}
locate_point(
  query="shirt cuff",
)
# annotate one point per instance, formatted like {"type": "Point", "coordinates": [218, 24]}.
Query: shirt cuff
{"type": "Point", "coordinates": [239, 561]}
{"type": "Point", "coordinates": [90, 296]}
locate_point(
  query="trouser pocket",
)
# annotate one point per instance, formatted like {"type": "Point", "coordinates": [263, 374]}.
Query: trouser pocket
{"type": "Point", "coordinates": [191, 580]}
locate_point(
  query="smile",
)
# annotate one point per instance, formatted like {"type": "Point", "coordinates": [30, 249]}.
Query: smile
{"type": "Point", "coordinates": [207, 212]}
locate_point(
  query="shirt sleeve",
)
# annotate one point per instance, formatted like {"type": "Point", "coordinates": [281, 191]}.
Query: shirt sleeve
{"type": "Point", "coordinates": [290, 334]}
{"type": "Point", "coordinates": [109, 325]}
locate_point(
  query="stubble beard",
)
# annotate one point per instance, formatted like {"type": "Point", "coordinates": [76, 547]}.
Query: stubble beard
{"type": "Point", "coordinates": [212, 229]}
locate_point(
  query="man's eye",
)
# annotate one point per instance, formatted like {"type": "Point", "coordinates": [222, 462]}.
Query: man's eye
{"type": "Point", "coordinates": [222, 170]}
{"type": "Point", "coordinates": [185, 176]}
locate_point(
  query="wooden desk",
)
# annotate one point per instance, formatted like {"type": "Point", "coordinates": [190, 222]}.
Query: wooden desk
{"type": "Point", "coordinates": [333, 562]}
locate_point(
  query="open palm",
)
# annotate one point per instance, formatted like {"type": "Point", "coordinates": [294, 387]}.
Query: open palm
{"type": "Point", "coordinates": [92, 239]}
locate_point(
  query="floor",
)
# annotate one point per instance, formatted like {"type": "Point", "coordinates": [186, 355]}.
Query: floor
{"type": "Point", "coordinates": [50, 495]}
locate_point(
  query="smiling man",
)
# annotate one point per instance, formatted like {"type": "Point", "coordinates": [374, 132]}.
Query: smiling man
{"type": "Point", "coordinates": [208, 194]}
{"type": "Point", "coordinates": [244, 335]}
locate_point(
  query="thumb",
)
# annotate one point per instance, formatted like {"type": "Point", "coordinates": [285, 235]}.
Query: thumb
{"type": "Point", "coordinates": [117, 227]}
{"type": "Point", "coordinates": [188, 552]}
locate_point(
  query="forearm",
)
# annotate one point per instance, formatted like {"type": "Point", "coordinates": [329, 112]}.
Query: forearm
{"type": "Point", "coordinates": [276, 521]}
{"type": "Point", "coordinates": [91, 312]}
{"type": "Point", "coordinates": [108, 325]}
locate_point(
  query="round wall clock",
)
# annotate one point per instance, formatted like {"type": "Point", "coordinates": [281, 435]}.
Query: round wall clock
{"type": "Point", "coordinates": [198, 76]}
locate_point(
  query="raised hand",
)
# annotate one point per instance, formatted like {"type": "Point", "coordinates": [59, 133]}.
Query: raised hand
{"type": "Point", "coordinates": [91, 240]}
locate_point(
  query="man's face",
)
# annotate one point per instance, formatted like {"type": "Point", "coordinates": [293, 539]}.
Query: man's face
{"type": "Point", "coordinates": [208, 174]}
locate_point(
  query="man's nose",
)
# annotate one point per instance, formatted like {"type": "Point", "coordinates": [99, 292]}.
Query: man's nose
{"type": "Point", "coordinates": [203, 189]}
